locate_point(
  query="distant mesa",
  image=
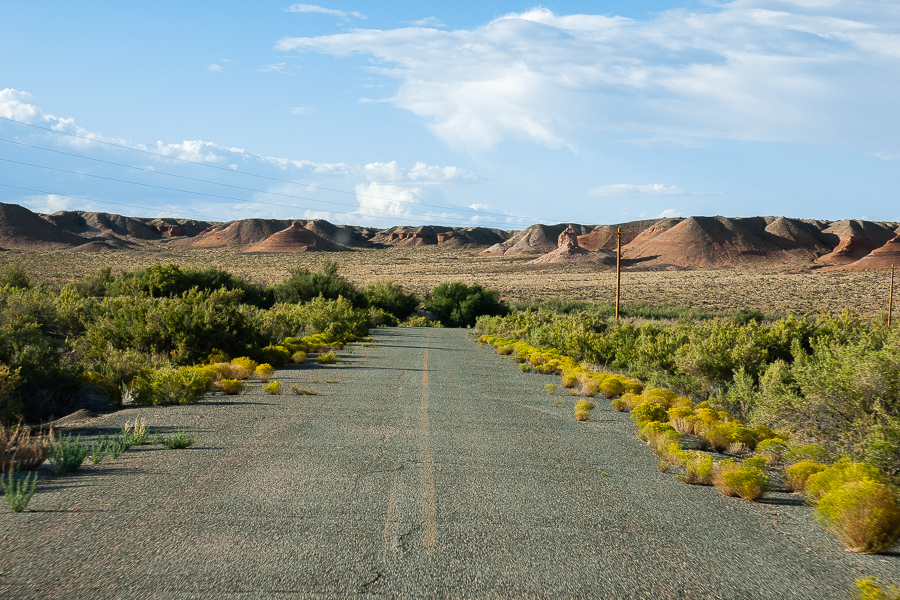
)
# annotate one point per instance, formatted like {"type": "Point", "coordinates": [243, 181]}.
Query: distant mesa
{"type": "Point", "coordinates": [879, 258]}
{"type": "Point", "coordinates": [296, 238]}
{"type": "Point", "coordinates": [674, 243]}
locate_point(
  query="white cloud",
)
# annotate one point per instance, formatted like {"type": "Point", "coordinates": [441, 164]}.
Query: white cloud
{"type": "Point", "coordinates": [214, 67]}
{"type": "Point", "coordinates": [477, 206]}
{"type": "Point", "coordinates": [48, 204]}
{"type": "Point", "coordinates": [301, 110]}
{"type": "Point", "coordinates": [670, 213]}
{"type": "Point", "coordinates": [629, 189]}
{"type": "Point", "coordinates": [274, 68]}
{"type": "Point", "coordinates": [385, 200]}
{"type": "Point", "coordinates": [14, 105]}
{"type": "Point", "coordinates": [195, 150]}
{"type": "Point", "coordinates": [427, 22]}
{"type": "Point", "coordinates": [769, 70]}
{"type": "Point", "coordinates": [311, 8]}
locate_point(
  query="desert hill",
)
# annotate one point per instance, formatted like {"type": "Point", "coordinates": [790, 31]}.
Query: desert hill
{"type": "Point", "coordinates": [698, 242]}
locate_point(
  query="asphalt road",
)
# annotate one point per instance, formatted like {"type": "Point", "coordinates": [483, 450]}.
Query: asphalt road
{"type": "Point", "coordinates": [426, 467]}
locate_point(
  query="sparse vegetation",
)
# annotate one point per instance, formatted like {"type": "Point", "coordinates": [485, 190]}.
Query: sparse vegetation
{"type": "Point", "coordinates": [264, 372]}
{"type": "Point", "coordinates": [231, 387]}
{"type": "Point", "coordinates": [177, 441]}
{"type": "Point", "coordinates": [300, 391]}
{"type": "Point", "coordinates": [328, 358]}
{"type": "Point", "coordinates": [17, 490]}
{"type": "Point", "coordinates": [273, 388]}
{"type": "Point", "coordinates": [67, 454]}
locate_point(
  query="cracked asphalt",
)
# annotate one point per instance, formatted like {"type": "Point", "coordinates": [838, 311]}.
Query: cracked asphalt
{"type": "Point", "coordinates": [426, 467]}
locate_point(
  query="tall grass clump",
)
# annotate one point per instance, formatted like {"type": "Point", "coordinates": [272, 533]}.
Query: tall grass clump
{"type": "Point", "coordinates": [863, 514]}
{"type": "Point", "coordinates": [264, 372]}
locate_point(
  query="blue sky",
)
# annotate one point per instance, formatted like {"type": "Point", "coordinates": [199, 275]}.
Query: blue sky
{"type": "Point", "coordinates": [469, 113]}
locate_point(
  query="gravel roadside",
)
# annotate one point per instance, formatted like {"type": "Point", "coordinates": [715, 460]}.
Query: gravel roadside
{"type": "Point", "coordinates": [429, 467]}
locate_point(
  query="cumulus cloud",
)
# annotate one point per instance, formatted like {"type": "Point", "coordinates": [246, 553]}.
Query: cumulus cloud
{"type": "Point", "coordinates": [670, 213]}
{"type": "Point", "coordinates": [14, 105]}
{"type": "Point", "coordinates": [771, 70]}
{"type": "Point", "coordinates": [48, 204]}
{"type": "Point", "coordinates": [630, 189]}
{"type": "Point", "coordinates": [385, 200]}
{"type": "Point", "coordinates": [427, 22]}
{"type": "Point", "coordinates": [478, 206]}
{"type": "Point", "coordinates": [312, 8]}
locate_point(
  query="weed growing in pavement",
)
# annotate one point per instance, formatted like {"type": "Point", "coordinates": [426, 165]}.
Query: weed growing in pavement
{"type": "Point", "coordinates": [178, 440]}
{"type": "Point", "coordinates": [273, 388]}
{"type": "Point", "coordinates": [17, 491]}
{"type": "Point", "coordinates": [618, 405]}
{"type": "Point", "coordinates": [550, 388]}
{"type": "Point", "coordinates": [582, 415]}
{"type": "Point", "coordinates": [332, 381]}
{"type": "Point", "coordinates": [329, 358]}
{"type": "Point", "coordinates": [303, 391]}
{"type": "Point", "coordinates": [568, 381]}
{"type": "Point", "coordinates": [525, 367]}
{"type": "Point", "coordinates": [299, 357]}
{"type": "Point", "coordinates": [114, 447]}
{"type": "Point", "coordinates": [67, 454]}
{"type": "Point", "coordinates": [98, 451]}
{"type": "Point", "coordinates": [135, 433]}
{"type": "Point", "coordinates": [664, 466]}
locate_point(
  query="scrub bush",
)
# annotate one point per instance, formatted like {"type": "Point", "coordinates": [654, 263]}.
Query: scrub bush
{"type": "Point", "coordinates": [67, 454]}
{"type": "Point", "coordinates": [459, 305]}
{"type": "Point", "coordinates": [797, 475]}
{"type": "Point", "coordinates": [646, 412]}
{"type": "Point", "coordinates": [231, 387]}
{"type": "Point", "coordinates": [329, 358]}
{"type": "Point", "coordinates": [582, 415]}
{"type": "Point", "coordinates": [568, 381]}
{"type": "Point", "coordinates": [813, 452]}
{"type": "Point", "coordinates": [773, 450]}
{"type": "Point", "coordinates": [744, 481]}
{"type": "Point", "coordinates": [618, 405]}
{"type": "Point", "coordinates": [611, 388]}
{"type": "Point", "coordinates": [264, 372]}
{"type": "Point", "coordinates": [275, 355]}
{"type": "Point", "coordinates": [863, 514]}
{"type": "Point", "coordinates": [17, 491]}
{"type": "Point", "coordinates": [169, 386]}
{"type": "Point", "coordinates": [299, 357]}
{"type": "Point", "coordinates": [698, 468]}
{"type": "Point", "coordinates": [841, 472]}
{"type": "Point", "coordinates": [249, 366]}
{"type": "Point", "coordinates": [273, 388]}
{"type": "Point", "coordinates": [390, 297]}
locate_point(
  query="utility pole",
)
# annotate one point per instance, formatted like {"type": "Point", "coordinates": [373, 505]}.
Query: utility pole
{"type": "Point", "coordinates": [619, 233]}
{"type": "Point", "coordinates": [891, 295]}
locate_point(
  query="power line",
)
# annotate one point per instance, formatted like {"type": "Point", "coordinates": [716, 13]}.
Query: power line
{"type": "Point", "coordinates": [248, 174]}
{"type": "Point", "coordinates": [231, 198]}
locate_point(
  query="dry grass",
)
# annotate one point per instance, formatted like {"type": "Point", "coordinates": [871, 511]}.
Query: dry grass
{"type": "Point", "coordinates": [23, 450]}
{"type": "Point", "coordinates": [770, 288]}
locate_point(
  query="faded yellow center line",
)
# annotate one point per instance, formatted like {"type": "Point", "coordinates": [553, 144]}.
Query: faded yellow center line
{"type": "Point", "coordinates": [429, 515]}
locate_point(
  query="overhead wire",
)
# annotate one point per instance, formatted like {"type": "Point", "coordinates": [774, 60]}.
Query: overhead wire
{"type": "Point", "coordinates": [389, 214]}
{"type": "Point", "coordinates": [246, 173]}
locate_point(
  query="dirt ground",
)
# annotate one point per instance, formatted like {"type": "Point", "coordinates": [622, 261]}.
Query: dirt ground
{"type": "Point", "coordinates": [774, 289]}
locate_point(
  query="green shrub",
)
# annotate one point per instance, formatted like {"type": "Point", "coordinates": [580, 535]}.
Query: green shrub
{"type": "Point", "coordinates": [15, 276]}
{"type": "Point", "coordinates": [17, 491]}
{"type": "Point", "coordinates": [773, 450]}
{"type": "Point", "coordinates": [585, 405]}
{"type": "Point", "coordinates": [525, 367]}
{"type": "Point", "coordinates": [698, 468]}
{"type": "Point", "coordinates": [813, 452]}
{"type": "Point", "coordinates": [797, 475]}
{"type": "Point", "coordinates": [67, 454]}
{"type": "Point", "coordinates": [661, 396]}
{"type": "Point", "coordinates": [721, 436]}
{"type": "Point", "coordinates": [390, 297]}
{"type": "Point", "coordinates": [217, 356]}
{"type": "Point", "coordinates": [169, 386]}
{"type": "Point", "coordinates": [231, 387]}
{"type": "Point", "coordinates": [420, 321]}
{"type": "Point", "coordinates": [264, 372]}
{"type": "Point", "coordinates": [646, 412]}
{"type": "Point", "coordinates": [299, 357]}
{"type": "Point", "coordinates": [505, 350]}
{"type": "Point", "coordinates": [459, 305]}
{"type": "Point", "coordinates": [273, 388]}
{"type": "Point", "coordinates": [303, 286]}
{"type": "Point", "coordinates": [618, 405]}
{"type": "Point", "coordinates": [249, 365]}
{"type": "Point", "coordinates": [863, 514]}
{"type": "Point", "coordinates": [303, 391]}
{"type": "Point", "coordinates": [582, 415]}
{"type": "Point", "coordinates": [747, 482]}
{"type": "Point", "coordinates": [841, 472]}
{"type": "Point", "coordinates": [275, 355]}
{"type": "Point", "coordinates": [329, 358]}
{"type": "Point", "coordinates": [611, 388]}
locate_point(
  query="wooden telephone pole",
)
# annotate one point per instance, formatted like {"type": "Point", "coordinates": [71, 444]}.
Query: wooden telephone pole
{"type": "Point", "coordinates": [619, 233]}
{"type": "Point", "coordinates": [891, 294]}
